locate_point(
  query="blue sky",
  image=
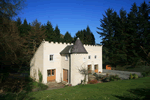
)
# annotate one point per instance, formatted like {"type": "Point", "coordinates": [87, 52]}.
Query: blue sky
{"type": "Point", "coordinates": [73, 15]}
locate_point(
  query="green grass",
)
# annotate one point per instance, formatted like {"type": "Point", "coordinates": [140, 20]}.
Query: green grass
{"type": "Point", "coordinates": [134, 89]}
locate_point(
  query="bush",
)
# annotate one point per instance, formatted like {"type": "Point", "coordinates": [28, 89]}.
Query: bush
{"type": "Point", "coordinates": [135, 76]}
{"type": "Point", "coordinates": [106, 79]}
{"type": "Point", "coordinates": [92, 82]}
{"type": "Point", "coordinates": [40, 77]}
{"type": "Point", "coordinates": [131, 76]}
{"type": "Point", "coordinates": [112, 78]}
{"type": "Point", "coordinates": [42, 86]}
{"type": "Point", "coordinates": [146, 73]}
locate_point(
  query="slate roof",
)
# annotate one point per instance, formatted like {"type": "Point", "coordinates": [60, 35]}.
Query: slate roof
{"type": "Point", "coordinates": [76, 48]}
{"type": "Point", "coordinates": [66, 49]}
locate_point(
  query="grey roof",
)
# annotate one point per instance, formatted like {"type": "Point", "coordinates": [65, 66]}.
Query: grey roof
{"type": "Point", "coordinates": [76, 48]}
{"type": "Point", "coordinates": [66, 49]}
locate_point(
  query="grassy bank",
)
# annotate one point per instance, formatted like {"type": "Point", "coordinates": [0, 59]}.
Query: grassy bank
{"type": "Point", "coordinates": [135, 89]}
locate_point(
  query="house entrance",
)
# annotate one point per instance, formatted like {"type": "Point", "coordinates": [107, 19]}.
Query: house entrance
{"type": "Point", "coordinates": [51, 75]}
{"type": "Point", "coordinates": [65, 75]}
{"type": "Point", "coordinates": [96, 68]}
{"type": "Point", "coordinates": [89, 69]}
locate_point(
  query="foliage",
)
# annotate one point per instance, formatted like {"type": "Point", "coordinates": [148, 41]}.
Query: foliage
{"type": "Point", "coordinates": [146, 73]}
{"type": "Point", "coordinates": [117, 39]}
{"type": "Point", "coordinates": [131, 76]}
{"type": "Point", "coordinates": [135, 76]}
{"type": "Point", "coordinates": [40, 76]}
{"type": "Point", "coordinates": [86, 36]}
{"type": "Point", "coordinates": [67, 37]}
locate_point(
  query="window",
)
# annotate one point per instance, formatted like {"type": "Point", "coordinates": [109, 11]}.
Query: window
{"type": "Point", "coordinates": [51, 58]}
{"type": "Point", "coordinates": [66, 58]}
{"type": "Point", "coordinates": [95, 56]}
{"type": "Point", "coordinates": [49, 73]}
{"type": "Point", "coordinates": [89, 57]}
{"type": "Point", "coordinates": [53, 72]}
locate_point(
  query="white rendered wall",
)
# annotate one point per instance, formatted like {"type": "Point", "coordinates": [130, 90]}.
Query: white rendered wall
{"type": "Point", "coordinates": [37, 62]}
{"type": "Point", "coordinates": [55, 49]}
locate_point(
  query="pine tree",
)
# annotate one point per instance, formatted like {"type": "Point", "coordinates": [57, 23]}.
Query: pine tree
{"type": "Point", "coordinates": [67, 38]}
{"type": "Point", "coordinates": [133, 58]}
{"type": "Point", "coordinates": [24, 28]}
{"type": "Point", "coordinates": [107, 35]}
{"type": "Point", "coordinates": [57, 32]}
{"type": "Point", "coordinates": [50, 35]}
{"type": "Point", "coordinates": [143, 31]}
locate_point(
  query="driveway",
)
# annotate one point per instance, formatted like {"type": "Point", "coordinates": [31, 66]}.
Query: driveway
{"type": "Point", "coordinates": [122, 74]}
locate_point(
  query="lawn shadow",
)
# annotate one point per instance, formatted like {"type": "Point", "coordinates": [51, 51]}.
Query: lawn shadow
{"type": "Point", "coordinates": [140, 94]}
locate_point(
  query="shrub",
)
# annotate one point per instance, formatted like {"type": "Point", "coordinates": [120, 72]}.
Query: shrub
{"type": "Point", "coordinates": [116, 76]}
{"type": "Point", "coordinates": [131, 76]}
{"type": "Point", "coordinates": [106, 79]}
{"type": "Point", "coordinates": [111, 78]}
{"type": "Point", "coordinates": [40, 77]}
{"type": "Point", "coordinates": [42, 86]}
{"type": "Point", "coordinates": [135, 76]}
{"type": "Point", "coordinates": [146, 73]}
{"type": "Point", "coordinates": [92, 82]}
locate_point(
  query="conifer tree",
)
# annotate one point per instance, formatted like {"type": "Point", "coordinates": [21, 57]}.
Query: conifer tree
{"type": "Point", "coordinates": [24, 28]}
{"type": "Point", "coordinates": [67, 38]}
{"type": "Point", "coordinates": [57, 33]}
{"type": "Point", "coordinates": [50, 35]}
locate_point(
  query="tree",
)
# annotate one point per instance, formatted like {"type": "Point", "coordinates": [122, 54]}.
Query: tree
{"type": "Point", "coordinates": [84, 71]}
{"type": "Point", "coordinates": [24, 28]}
{"type": "Point", "coordinates": [143, 31]}
{"type": "Point", "coordinates": [19, 22]}
{"type": "Point", "coordinates": [57, 33]}
{"type": "Point", "coordinates": [10, 8]}
{"type": "Point", "coordinates": [89, 37]}
{"type": "Point", "coordinates": [50, 35]}
{"type": "Point", "coordinates": [108, 34]}
{"type": "Point", "coordinates": [67, 37]}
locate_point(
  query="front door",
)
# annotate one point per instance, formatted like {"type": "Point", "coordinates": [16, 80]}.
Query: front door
{"type": "Point", "coordinates": [65, 75]}
{"type": "Point", "coordinates": [96, 68]}
{"type": "Point", "coordinates": [89, 68]}
{"type": "Point", "coordinates": [51, 75]}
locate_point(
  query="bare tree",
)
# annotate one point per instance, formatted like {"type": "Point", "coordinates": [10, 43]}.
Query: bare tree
{"type": "Point", "coordinates": [84, 71]}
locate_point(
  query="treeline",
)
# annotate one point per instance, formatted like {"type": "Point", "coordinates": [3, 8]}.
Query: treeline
{"type": "Point", "coordinates": [125, 37]}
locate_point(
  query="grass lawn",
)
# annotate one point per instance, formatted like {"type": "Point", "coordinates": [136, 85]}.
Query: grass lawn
{"type": "Point", "coordinates": [135, 89]}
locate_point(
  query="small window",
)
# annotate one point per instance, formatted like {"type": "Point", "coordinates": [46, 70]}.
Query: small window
{"type": "Point", "coordinates": [49, 72]}
{"type": "Point", "coordinates": [66, 57]}
{"type": "Point", "coordinates": [51, 57]}
{"type": "Point", "coordinates": [95, 56]}
{"type": "Point", "coordinates": [89, 57]}
{"type": "Point", "coordinates": [53, 72]}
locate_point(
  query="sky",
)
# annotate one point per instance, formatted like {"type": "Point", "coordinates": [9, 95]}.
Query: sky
{"type": "Point", "coordinates": [73, 15]}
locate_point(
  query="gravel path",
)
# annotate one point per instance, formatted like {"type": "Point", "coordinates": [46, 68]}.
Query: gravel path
{"type": "Point", "coordinates": [122, 74]}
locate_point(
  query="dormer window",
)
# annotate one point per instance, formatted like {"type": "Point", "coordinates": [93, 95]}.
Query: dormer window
{"type": "Point", "coordinates": [51, 58]}
{"type": "Point", "coordinates": [89, 57]}
{"type": "Point", "coordinates": [95, 56]}
{"type": "Point", "coordinates": [66, 57]}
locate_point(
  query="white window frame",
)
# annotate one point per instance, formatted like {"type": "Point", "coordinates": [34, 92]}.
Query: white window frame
{"type": "Point", "coordinates": [66, 57]}
{"type": "Point", "coordinates": [52, 56]}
